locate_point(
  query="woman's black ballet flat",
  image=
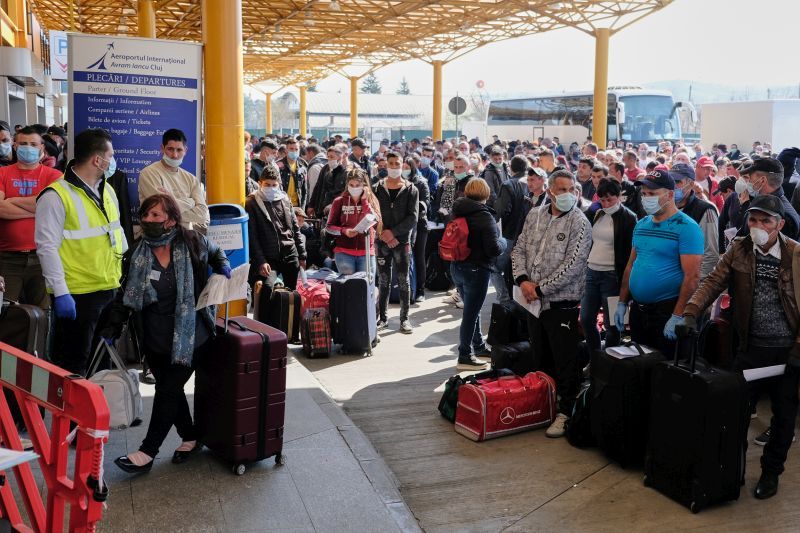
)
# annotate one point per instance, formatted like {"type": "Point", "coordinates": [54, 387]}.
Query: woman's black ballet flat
{"type": "Point", "coordinates": [180, 457]}
{"type": "Point", "coordinates": [125, 464]}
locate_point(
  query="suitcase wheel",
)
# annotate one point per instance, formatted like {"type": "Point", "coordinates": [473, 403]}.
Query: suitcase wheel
{"type": "Point", "coordinates": [279, 459]}
{"type": "Point", "coordinates": [646, 481]}
{"type": "Point", "coordinates": [239, 469]}
{"type": "Point", "coordinates": [694, 507]}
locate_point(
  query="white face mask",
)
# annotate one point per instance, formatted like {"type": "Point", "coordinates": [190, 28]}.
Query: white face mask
{"type": "Point", "coordinates": [355, 192]}
{"type": "Point", "coordinates": [394, 172]}
{"type": "Point", "coordinates": [449, 165]}
{"type": "Point", "coordinates": [333, 163]}
{"type": "Point", "coordinates": [760, 236]}
{"type": "Point", "coordinates": [611, 210]}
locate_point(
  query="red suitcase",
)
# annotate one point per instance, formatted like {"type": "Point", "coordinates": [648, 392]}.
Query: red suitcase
{"type": "Point", "coordinates": [240, 393]}
{"type": "Point", "coordinates": [509, 404]}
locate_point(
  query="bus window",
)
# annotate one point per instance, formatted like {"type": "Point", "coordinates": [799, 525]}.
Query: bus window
{"type": "Point", "coordinates": [649, 118]}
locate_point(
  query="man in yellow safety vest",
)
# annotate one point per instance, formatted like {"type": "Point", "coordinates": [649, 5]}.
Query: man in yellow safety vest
{"type": "Point", "coordinates": [80, 244]}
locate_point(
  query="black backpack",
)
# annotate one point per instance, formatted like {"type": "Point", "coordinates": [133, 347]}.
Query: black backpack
{"type": "Point", "coordinates": [579, 427]}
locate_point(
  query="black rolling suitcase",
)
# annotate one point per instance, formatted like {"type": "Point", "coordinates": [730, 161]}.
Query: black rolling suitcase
{"type": "Point", "coordinates": [696, 452]}
{"type": "Point", "coordinates": [620, 403]}
{"type": "Point", "coordinates": [353, 313]}
{"type": "Point", "coordinates": [278, 307]}
{"type": "Point", "coordinates": [515, 356]}
{"type": "Point", "coordinates": [509, 323]}
{"type": "Point", "coordinates": [24, 327]}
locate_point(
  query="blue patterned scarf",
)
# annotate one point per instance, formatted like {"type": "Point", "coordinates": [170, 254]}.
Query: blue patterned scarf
{"type": "Point", "coordinates": [139, 292]}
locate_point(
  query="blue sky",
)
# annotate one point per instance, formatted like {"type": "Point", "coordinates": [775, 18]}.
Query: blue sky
{"type": "Point", "coordinates": [732, 42]}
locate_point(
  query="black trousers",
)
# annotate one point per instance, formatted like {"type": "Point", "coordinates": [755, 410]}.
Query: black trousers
{"type": "Point", "coordinates": [647, 323]}
{"type": "Point", "coordinates": [387, 258]}
{"type": "Point", "coordinates": [72, 339]}
{"type": "Point", "coordinates": [554, 345]}
{"type": "Point", "coordinates": [170, 407]}
{"type": "Point", "coordinates": [783, 396]}
{"type": "Point", "coordinates": [420, 266]}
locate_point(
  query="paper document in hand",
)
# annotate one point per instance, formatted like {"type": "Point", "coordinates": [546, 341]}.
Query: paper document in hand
{"type": "Point", "coordinates": [220, 289]}
{"type": "Point", "coordinates": [623, 352]}
{"type": "Point", "coordinates": [9, 458]}
{"type": "Point", "coordinates": [367, 222]}
{"type": "Point", "coordinates": [534, 307]}
{"type": "Point", "coordinates": [753, 374]}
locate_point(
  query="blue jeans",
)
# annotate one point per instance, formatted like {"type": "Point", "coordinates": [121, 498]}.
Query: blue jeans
{"type": "Point", "coordinates": [599, 286]}
{"type": "Point", "coordinates": [500, 282]}
{"type": "Point", "coordinates": [472, 282]}
{"type": "Point", "coordinates": [350, 264]}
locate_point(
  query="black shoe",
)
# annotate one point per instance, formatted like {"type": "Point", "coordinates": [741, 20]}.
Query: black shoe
{"type": "Point", "coordinates": [767, 486]}
{"type": "Point", "coordinates": [763, 439]}
{"type": "Point", "coordinates": [125, 464]}
{"type": "Point", "coordinates": [180, 457]}
{"type": "Point", "coordinates": [472, 363]}
{"type": "Point", "coordinates": [483, 354]}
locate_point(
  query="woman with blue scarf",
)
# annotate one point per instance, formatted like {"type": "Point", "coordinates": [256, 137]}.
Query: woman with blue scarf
{"type": "Point", "coordinates": [168, 270]}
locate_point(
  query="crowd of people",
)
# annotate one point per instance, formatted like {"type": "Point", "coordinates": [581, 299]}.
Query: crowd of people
{"type": "Point", "coordinates": [660, 230]}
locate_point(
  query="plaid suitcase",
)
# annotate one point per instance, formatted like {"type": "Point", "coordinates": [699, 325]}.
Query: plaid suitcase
{"type": "Point", "coordinates": [316, 332]}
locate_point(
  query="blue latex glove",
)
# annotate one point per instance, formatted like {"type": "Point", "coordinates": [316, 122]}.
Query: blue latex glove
{"type": "Point", "coordinates": [65, 307]}
{"type": "Point", "coordinates": [669, 329]}
{"type": "Point", "coordinates": [225, 271]}
{"type": "Point", "coordinates": [619, 316]}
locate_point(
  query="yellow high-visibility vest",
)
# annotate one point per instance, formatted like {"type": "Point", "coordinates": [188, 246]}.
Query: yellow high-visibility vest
{"type": "Point", "coordinates": [92, 247]}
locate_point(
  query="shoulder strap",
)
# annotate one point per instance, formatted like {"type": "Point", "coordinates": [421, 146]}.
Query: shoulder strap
{"type": "Point", "coordinates": [261, 205]}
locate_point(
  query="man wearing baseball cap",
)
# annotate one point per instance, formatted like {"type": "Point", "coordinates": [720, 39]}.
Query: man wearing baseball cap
{"type": "Point", "coordinates": [663, 269]}
{"type": "Point", "coordinates": [765, 176]}
{"type": "Point", "coordinates": [703, 170]}
{"type": "Point", "coordinates": [758, 271]}
{"type": "Point", "coordinates": [700, 211]}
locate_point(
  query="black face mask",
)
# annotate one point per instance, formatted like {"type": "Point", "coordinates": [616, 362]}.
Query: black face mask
{"type": "Point", "coordinates": [153, 230]}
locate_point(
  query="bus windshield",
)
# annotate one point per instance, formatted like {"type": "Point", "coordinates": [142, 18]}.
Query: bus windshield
{"type": "Point", "coordinates": [649, 119]}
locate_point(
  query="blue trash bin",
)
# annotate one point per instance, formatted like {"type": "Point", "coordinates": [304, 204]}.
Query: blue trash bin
{"type": "Point", "coordinates": [228, 229]}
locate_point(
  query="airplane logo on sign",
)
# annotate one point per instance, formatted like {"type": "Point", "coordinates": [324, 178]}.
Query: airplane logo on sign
{"type": "Point", "coordinates": [100, 64]}
{"type": "Point", "coordinates": [507, 415]}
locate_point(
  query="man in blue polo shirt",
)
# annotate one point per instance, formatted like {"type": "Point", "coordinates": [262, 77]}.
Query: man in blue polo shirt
{"type": "Point", "coordinates": [664, 266]}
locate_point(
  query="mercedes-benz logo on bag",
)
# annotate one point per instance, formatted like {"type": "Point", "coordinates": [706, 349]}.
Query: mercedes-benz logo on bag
{"type": "Point", "coordinates": [508, 415]}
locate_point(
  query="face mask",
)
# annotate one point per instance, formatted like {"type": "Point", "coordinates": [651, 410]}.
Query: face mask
{"type": "Point", "coordinates": [29, 155]}
{"type": "Point", "coordinates": [174, 163]}
{"type": "Point", "coordinates": [272, 194]}
{"type": "Point", "coordinates": [460, 175]}
{"type": "Point", "coordinates": [355, 192]}
{"type": "Point", "coordinates": [382, 173]}
{"type": "Point", "coordinates": [611, 210]}
{"type": "Point", "coordinates": [270, 159]}
{"type": "Point", "coordinates": [333, 163]}
{"type": "Point", "coordinates": [679, 196]}
{"type": "Point", "coordinates": [566, 201]}
{"type": "Point", "coordinates": [449, 165]}
{"type": "Point", "coordinates": [293, 155]}
{"type": "Point", "coordinates": [112, 168]}
{"type": "Point", "coordinates": [425, 160]}
{"type": "Point", "coordinates": [153, 230]}
{"type": "Point", "coordinates": [5, 149]}
{"type": "Point", "coordinates": [760, 237]}
{"type": "Point", "coordinates": [406, 173]}
{"type": "Point", "coordinates": [651, 204]}
{"type": "Point", "coordinates": [394, 172]}
{"type": "Point", "coordinates": [498, 165]}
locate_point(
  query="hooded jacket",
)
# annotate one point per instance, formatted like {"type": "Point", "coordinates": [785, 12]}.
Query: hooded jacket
{"type": "Point", "coordinates": [553, 251]}
{"type": "Point", "coordinates": [265, 238]}
{"type": "Point", "coordinates": [346, 214]}
{"type": "Point", "coordinates": [495, 179]}
{"type": "Point", "coordinates": [483, 237]}
{"type": "Point", "coordinates": [423, 190]}
{"type": "Point", "coordinates": [300, 176]}
{"type": "Point", "coordinates": [510, 205]}
{"type": "Point", "coordinates": [330, 184]}
{"type": "Point", "coordinates": [400, 215]}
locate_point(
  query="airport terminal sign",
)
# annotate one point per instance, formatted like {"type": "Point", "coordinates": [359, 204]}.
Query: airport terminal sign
{"type": "Point", "coordinates": [136, 89]}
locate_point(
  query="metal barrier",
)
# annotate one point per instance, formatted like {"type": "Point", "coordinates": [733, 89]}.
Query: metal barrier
{"type": "Point", "coordinates": [68, 398]}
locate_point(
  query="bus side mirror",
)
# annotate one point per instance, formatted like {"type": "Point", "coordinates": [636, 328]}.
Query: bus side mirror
{"type": "Point", "coordinates": [620, 112]}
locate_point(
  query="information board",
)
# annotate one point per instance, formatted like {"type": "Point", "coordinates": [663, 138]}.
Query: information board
{"type": "Point", "coordinates": [136, 89]}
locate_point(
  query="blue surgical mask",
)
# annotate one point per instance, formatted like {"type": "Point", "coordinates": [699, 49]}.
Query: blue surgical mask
{"type": "Point", "coordinates": [425, 160]}
{"type": "Point", "coordinates": [293, 155]}
{"type": "Point", "coordinates": [460, 175]}
{"type": "Point", "coordinates": [174, 163]}
{"type": "Point", "coordinates": [651, 204]}
{"type": "Point", "coordinates": [566, 201]}
{"type": "Point", "coordinates": [406, 173]}
{"type": "Point", "coordinates": [679, 196]}
{"type": "Point", "coordinates": [28, 155]}
{"type": "Point", "coordinates": [112, 167]}
{"type": "Point", "coordinates": [5, 150]}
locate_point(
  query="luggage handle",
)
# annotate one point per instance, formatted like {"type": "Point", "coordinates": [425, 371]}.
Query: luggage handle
{"type": "Point", "coordinates": [98, 356]}
{"type": "Point", "coordinates": [687, 338]}
{"type": "Point", "coordinates": [636, 346]}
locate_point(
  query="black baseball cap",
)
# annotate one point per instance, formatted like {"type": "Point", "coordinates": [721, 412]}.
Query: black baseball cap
{"type": "Point", "coordinates": [763, 164]}
{"type": "Point", "coordinates": [657, 179]}
{"type": "Point", "coordinates": [725, 185]}
{"type": "Point", "coordinates": [358, 141]}
{"type": "Point", "coordinates": [769, 204]}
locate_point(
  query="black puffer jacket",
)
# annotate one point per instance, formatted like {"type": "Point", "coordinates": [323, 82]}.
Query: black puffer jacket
{"type": "Point", "coordinates": [400, 215]}
{"type": "Point", "coordinates": [484, 237]}
{"type": "Point", "coordinates": [424, 192]}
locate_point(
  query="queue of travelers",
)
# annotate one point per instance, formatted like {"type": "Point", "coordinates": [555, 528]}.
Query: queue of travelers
{"type": "Point", "coordinates": [664, 230]}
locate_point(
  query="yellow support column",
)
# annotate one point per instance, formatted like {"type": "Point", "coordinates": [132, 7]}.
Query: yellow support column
{"type": "Point", "coordinates": [269, 113]}
{"type": "Point", "coordinates": [353, 107]}
{"type": "Point", "coordinates": [437, 100]}
{"type": "Point", "coordinates": [303, 118]}
{"type": "Point", "coordinates": [147, 18]}
{"type": "Point", "coordinates": [600, 114]}
{"type": "Point", "coordinates": [224, 107]}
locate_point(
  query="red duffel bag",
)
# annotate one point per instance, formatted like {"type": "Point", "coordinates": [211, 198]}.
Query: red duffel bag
{"type": "Point", "coordinates": [507, 405]}
{"type": "Point", "coordinates": [314, 294]}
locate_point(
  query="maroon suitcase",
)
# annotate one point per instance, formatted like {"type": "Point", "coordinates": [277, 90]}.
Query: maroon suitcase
{"type": "Point", "coordinates": [240, 393]}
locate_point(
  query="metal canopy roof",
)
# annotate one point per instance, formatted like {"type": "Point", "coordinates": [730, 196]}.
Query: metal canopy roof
{"type": "Point", "coordinates": [290, 42]}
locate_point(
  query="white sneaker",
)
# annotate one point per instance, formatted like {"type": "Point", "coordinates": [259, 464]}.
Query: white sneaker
{"type": "Point", "coordinates": [460, 304]}
{"type": "Point", "coordinates": [557, 428]}
{"type": "Point", "coordinates": [405, 327]}
{"type": "Point", "coordinates": [452, 291]}
{"type": "Point", "coordinates": [453, 299]}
